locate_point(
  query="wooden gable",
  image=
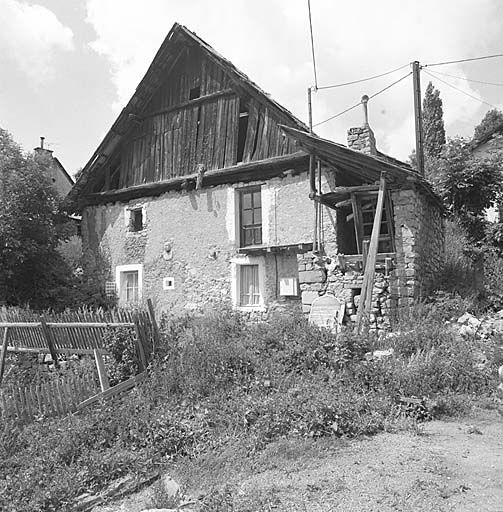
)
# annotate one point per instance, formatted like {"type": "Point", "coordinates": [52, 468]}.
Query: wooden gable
{"type": "Point", "coordinates": [200, 118]}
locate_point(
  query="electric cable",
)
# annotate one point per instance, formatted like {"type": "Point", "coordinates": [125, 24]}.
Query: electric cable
{"type": "Point", "coordinates": [363, 79]}
{"type": "Point", "coordinates": [500, 84]}
{"type": "Point", "coordinates": [461, 90]}
{"type": "Point", "coordinates": [463, 60]}
{"type": "Point", "coordinates": [359, 103]}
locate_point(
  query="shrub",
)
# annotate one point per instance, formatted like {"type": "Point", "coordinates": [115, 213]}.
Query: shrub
{"type": "Point", "coordinates": [123, 360]}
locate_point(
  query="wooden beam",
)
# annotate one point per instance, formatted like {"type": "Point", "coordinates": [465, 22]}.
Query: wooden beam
{"type": "Point", "coordinates": [191, 103]}
{"type": "Point", "coordinates": [155, 328]}
{"type": "Point", "coordinates": [49, 340]}
{"type": "Point", "coordinates": [60, 325]}
{"type": "Point", "coordinates": [256, 170]}
{"type": "Point", "coordinates": [102, 372]}
{"type": "Point", "coordinates": [368, 278]}
{"type": "Point", "coordinates": [4, 353]}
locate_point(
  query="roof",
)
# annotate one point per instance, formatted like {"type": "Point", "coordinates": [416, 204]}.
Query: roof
{"type": "Point", "coordinates": [165, 59]}
{"type": "Point", "coordinates": [359, 166]}
{"type": "Point", "coordinates": [475, 143]}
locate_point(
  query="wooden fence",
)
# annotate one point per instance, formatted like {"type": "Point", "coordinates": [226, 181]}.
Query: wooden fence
{"type": "Point", "coordinates": [78, 332]}
{"type": "Point", "coordinates": [53, 398]}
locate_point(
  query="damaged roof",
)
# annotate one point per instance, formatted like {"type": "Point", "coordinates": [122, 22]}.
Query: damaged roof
{"type": "Point", "coordinates": [358, 166]}
{"type": "Point", "coordinates": [178, 38]}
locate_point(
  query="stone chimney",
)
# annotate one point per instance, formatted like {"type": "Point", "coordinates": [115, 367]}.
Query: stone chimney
{"type": "Point", "coordinates": [362, 138]}
{"type": "Point", "coordinates": [42, 152]}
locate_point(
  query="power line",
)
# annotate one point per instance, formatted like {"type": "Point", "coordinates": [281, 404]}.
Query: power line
{"type": "Point", "coordinates": [463, 60]}
{"type": "Point", "coordinates": [461, 90]}
{"type": "Point", "coordinates": [359, 103]}
{"type": "Point", "coordinates": [312, 44]}
{"type": "Point", "coordinates": [362, 79]}
{"type": "Point", "coordinates": [500, 84]}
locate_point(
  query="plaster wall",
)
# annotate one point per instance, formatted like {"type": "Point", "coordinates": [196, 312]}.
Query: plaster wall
{"type": "Point", "coordinates": [201, 229]}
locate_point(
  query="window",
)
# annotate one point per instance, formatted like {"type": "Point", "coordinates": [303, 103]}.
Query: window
{"type": "Point", "coordinates": [249, 285]}
{"type": "Point", "coordinates": [195, 92]}
{"type": "Point", "coordinates": [135, 218]}
{"type": "Point", "coordinates": [129, 280]}
{"type": "Point", "coordinates": [250, 220]}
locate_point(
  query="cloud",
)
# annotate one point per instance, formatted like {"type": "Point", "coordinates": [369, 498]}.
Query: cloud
{"type": "Point", "coordinates": [269, 40]}
{"type": "Point", "coordinates": [30, 35]}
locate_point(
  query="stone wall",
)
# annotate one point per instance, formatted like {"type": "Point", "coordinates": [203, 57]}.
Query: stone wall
{"type": "Point", "coordinates": [419, 239]}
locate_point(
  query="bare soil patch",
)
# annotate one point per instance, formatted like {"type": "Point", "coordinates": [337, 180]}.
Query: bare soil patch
{"type": "Point", "coordinates": [452, 465]}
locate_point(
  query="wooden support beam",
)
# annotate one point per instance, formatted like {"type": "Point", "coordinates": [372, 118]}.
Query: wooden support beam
{"type": "Point", "coordinates": [4, 353]}
{"type": "Point", "coordinates": [49, 340]}
{"type": "Point", "coordinates": [155, 328]}
{"type": "Point", "coordinates": [142, 359]}
{"type": "Point", "coordinates": [368, 279]}
{"type": "Point", "coordinates": [102, 372]}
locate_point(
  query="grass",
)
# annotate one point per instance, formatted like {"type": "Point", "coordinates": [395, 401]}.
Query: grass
{"type": "Point", "coordinates": [222, 388]}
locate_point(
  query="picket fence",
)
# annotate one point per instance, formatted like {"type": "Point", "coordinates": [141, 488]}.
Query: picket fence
{"type": "Point", "coordinates": [55, 397]}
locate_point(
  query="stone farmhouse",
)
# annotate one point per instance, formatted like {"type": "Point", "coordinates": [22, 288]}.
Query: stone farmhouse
{"type": "Point", "coordinates": [205, 190]}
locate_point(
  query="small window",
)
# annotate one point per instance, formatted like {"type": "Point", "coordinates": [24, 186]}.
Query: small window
{"type": "Point", "coordinates": [250, 217]}
{"type": "Point", "coordinates": [249, 285]}
{"type": "Point", "coordinates": [129, 287]}
{"type": "Point", "coordinates": [195, 92]}
{"type": "Point", "coordinates": [136, 220]}
{"type": "Point", "coordinates": [129, 283]}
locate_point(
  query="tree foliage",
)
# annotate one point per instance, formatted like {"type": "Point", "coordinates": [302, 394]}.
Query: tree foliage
{"type": "Point", "coordinates": [33, 271]}
{"type": "Point", "coordinates": [491, 120]}
{"type": "Point", "coordinates": [433, 122]}
{"type": "Point", "coordinates": [468, 184]}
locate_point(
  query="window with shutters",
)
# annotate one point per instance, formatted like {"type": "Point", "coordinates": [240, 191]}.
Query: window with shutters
{"type": "Point", "coordinates": [250, 217]}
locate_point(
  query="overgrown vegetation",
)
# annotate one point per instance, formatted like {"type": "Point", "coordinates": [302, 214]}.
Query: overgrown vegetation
{"type": "Point", "coordinates": [219, 382]}
{"type": "Point", "coordinates": [35, 271]}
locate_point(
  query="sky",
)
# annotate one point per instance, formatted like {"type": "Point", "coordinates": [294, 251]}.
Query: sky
{"type": "Point", "coordinates": [67, 67]}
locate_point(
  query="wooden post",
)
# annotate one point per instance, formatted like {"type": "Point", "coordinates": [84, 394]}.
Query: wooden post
{"type": "Point", "coordinates": [50, 342]}
{"type": "Point", "coordinates": [139, 343]}
{"type": "Point", "coordinates": [155, 328]}
{"type": "Point", "coordinates": [4, 353]}
{"type": "Point", "coordinates": [102, 373]}
{"type": "Point", "coordinates": [368, 278]}
{"type": "Point", "coordinates": [365, 254]}
{"type": "Point", "coordinates": [418, 116]}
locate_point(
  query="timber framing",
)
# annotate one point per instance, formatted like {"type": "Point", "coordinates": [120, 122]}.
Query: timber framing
{"type": "Point", "coordinates": [264, 169]}
{"type": "Point", "coordinates": [218, 108]}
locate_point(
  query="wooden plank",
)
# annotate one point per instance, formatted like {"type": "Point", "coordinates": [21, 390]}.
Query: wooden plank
{"type": "Point", "coordinates": [5, 342]}
{"type": "Point", "coordinates": [251, 131]}
{"type": "Point", "coordinates": [155, 327]}
{"type": "Point", "coordinates": [49, 340]}
{"type": "Point", "coordinates": [119, 388]}
{"type": "Point", "coordinates": [102, 372]}
{"type": "Point", "coordinates": [369, 276]}
{"type": "Point", "coordinates": [358, 223]}
{"type": "Point", "coordinates": [140, 344]}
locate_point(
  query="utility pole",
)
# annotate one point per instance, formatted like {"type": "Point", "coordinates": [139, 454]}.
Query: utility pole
{"type": "Point", "coordinates": [418, 116]}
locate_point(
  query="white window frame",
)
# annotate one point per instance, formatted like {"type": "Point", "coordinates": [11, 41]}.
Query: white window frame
{"type": "Point", "coordinates": [119, 270]}
{"type": "Point", "coordinates": [236, 263]}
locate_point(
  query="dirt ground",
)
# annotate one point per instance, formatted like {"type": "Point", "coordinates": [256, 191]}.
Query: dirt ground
{"type": "Point", "coordinates": [454, 465]}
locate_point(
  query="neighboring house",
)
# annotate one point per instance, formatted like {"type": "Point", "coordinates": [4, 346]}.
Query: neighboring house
{"type": "Point", "coordinates": [199, 194]}
{"type": "Point", "coordinates": [60, 179]}
{"type": "Point", "coordinates": [489, 144]}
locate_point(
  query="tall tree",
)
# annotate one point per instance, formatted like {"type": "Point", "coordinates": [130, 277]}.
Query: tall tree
{"type": "Point", "coordinates": [491, 120]}
{"type": "Point", "coordinates": [433, 123]}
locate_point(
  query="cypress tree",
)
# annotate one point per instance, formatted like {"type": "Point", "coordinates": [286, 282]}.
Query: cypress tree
{"type": "Point", "coordinates": [433, 123]}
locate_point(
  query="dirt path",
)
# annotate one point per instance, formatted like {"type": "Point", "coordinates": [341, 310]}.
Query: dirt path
{"type": "Point", "coordinates": [446, 466]}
